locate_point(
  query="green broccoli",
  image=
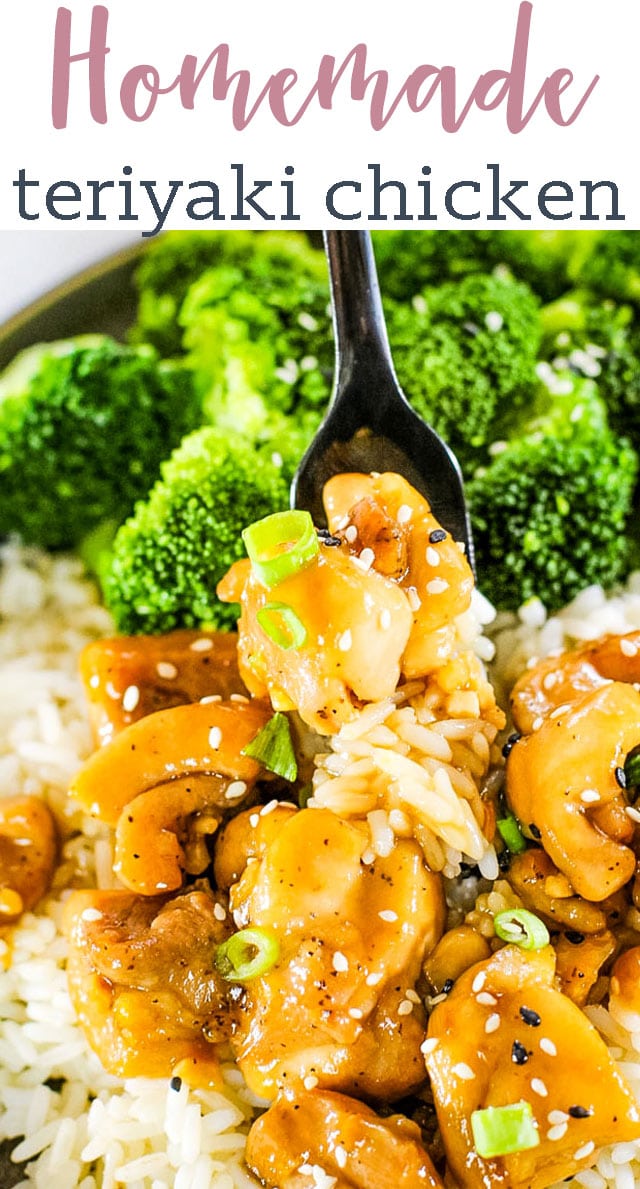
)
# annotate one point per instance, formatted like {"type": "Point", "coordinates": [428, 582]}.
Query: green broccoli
{"type": "Point", "coordinates": [595, 337]}
{"type": "Point", "coordinates": [84, 426]}
{"type": "Point", "coordinates": [465, 355]}
{"type": "Point", "coordinates": [609, 263]}
{"type": "Point", "coordinates": [170, 555]}
{"type": "Point", "coordinates": [408, 260]}
{"type": "Point", "coordinates": [549, 512]}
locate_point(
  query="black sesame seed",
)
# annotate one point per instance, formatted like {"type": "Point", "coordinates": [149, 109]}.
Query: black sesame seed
{"type": "Point", "coordinates": [533, 829]}
{"type": "Point", "coordinates": [447, 986]}
{"type": "Point", "coordinates": [519, 1054]}
{"type": "Point", "coordinates": [327, 538]}
{"type": "Point", "coordinates": [580, 1112]}
{"type": "Point", "coordinates": [176, 1083]}
{"type": "Point", "coordinates": [437, 535]}
{"type": "Point", "coordinates": [574, 937]}
{"type": "Point", "coordinates": [509, 744]}
{"type": "Point", "coordinates": [621, 777]}
{"type": "Point", "coordinates": [504, 860]}
{"type": "Point", "coordinates": [530, 1017]}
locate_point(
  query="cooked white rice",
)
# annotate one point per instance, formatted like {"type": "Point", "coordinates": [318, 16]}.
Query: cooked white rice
{"type": "Point", "coordinates": [86, 1129]}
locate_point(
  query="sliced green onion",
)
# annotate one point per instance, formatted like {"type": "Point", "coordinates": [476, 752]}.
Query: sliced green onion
{"type": "Point", "coordinates": [632, 769]}
{"type": "Point", "coordinates": [246, 955]}
{"type": "Point", "coordinates": [501, 1130]}
{"type": "Point", "coordinates": [280, 546]}
{"type": "Point", "coordinates": [281, 624]}
{"type": "Point", "coordinates": [272, 746]}
{"type": "Point", "coordinates": [511, 834]}
{"type": "Point", "coordinates": [522, 928]}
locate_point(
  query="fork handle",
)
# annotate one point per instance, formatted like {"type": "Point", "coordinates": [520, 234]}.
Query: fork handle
{"type": "Point", "coordinates": [358, 319]}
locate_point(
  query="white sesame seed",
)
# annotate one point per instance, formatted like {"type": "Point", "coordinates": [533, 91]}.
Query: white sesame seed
{"type": "Point", "coordinates": [628, 648]}
{"type": "Point", "coordinates": [493, 1023]}
{"type": "Point", "coordinates": [112, 691]}
{"type": "Point", "coordinates": [268, 808]}
{"type": "Point", "coordinates": [437, 586]}
{"type": "Point", "coordinates": [589, 796]}
{"type": "Point", "coordinates": [219, 912]}
{"type": "Point", "coordinates": [404, 514]}
{"type": "Point", "coordinates": [538, 1087]}
{"type": "Point", "coordinates": [537, 723]}
{"type": "Point", "coordinates": [94, 681]}
{"type": "Point", "coordinates": [493, 321]}
{"type": "Point", "coordinates": [367, 558]}
{"type": "Point", "coordinates": [557, 1132]}
{"type": "Point", "coordinates": [372, 980]}
{"type": "Point", "coordinates": [550, 680]}
{"type": "Point", "coordinates": [385, 619]}
{"type": "Point", "coordinates": [632, 813]}
{"type": "Point", "coordinates": [310, 1082]}
{"type": "Point", "coordinates": [429, 1045]}
{"type": "Point", "coordinates": [412, 995]}
{"type": "Point", "coordinates": [308, 363]}
{"type": "Point", "coordinates": [560, 710]}
{"type": "Point", "coordinates": [351, 534]}
{"type": "Point", "coordinates": [479, 981]}
{"type": "Point", "coordinates": [415, 602]}
{"type": "Point", "coordinates": [215, 738]}
{"type": "Point", "coordinates": [307, 321]}
{"type": "Point", "coordinates": [340, 1156]}
{"type": "Point", "coordinates": [236, 789]}
{"type": "Point", "coordinates": [556, 1117]}
{"type": "Point", "coordinates": [201, 645]}
{"type": "Point", "coordinates": [210, 698]}
{"type": "Point", "coordinates": [167, 670]}
{"type": "Point", "coordinates": [238, 698]}
{"type": "Point", "coordinates": [368, 856]}
{"type": "Point", "coordinates": [388, 914]}
{"type": "Point", "coordinates": [486, 1000]}
{"type": "Point", "coordinates": [130, 698]}
{"type": "Point", "coordinates": [339, 962]}
{"type": "Point", "coordinates": [433, 557]}
{"type": "Point", "coordinates": [91, 914]}
{"type": "Point", "coordinates": [584, 1151]}
{"type": "Point", "coordinates": [254, 820]}
{"type": "Point", "coordinates": [405, 1008]}
{"type": "Point", "coordinates": [356, 1013]}
{"type": "Point", "coordinates": [548, 1047]}
{"type": "Point", "coordinates": [345, 641]}
{"type": "Point", "coordinates": [464, 1071]}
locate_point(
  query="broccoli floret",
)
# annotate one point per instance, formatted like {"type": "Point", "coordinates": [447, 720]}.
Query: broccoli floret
{"type": "Point", "coordinates": [409, 260]}
{"type": "Point", "coordinates": [259, 338]}
{"type": "Point", "coordinates": [465, 355]}
{"type": "Point", "coordinates": [609, 263]}
{"type": "Point", "coordinates": [84, 426]}
{"type": "Point", "coordinates": [595, 337]}
{"type": "Point", "coordinates": [549, 511]}
{"type": "Point", "coordinates": [170, 555]}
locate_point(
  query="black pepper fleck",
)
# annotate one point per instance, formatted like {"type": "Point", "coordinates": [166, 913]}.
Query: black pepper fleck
{"type": "Point", "coordinates": [580, 1112]}
{"type": "Point", "coordinates": [176, 1084]}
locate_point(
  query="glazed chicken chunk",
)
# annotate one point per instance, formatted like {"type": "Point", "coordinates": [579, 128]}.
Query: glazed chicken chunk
{"type": "Point", "coordinates": [505, 1035]}
{"type": "Point", "coordinates": [143, 980]}
{"type": "Point", "coordinates": [28, 851]}
{"type": "Point", "coordinates": [319, 1131]}
{"type": "Point", "coordinates": [339, 1008]}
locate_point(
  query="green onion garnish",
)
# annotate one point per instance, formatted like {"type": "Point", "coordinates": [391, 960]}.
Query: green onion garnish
{"type": "Point", "coordinates": [281, 624]}
{"type": "Point", "coordinates": [280, 546]}
{"type": "Point", "coordinates": [632, 769]}
{"type": "Point", "coordinates": [522, 928]}
{"type": "Point", "coordinates": [272, 746]}
{"type": "Point", "coordinates": [246, 955]}
{"type": "Point", "coordinates": [511, 834]}
{"type": "Point", "coordinates": [500, 1130]}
